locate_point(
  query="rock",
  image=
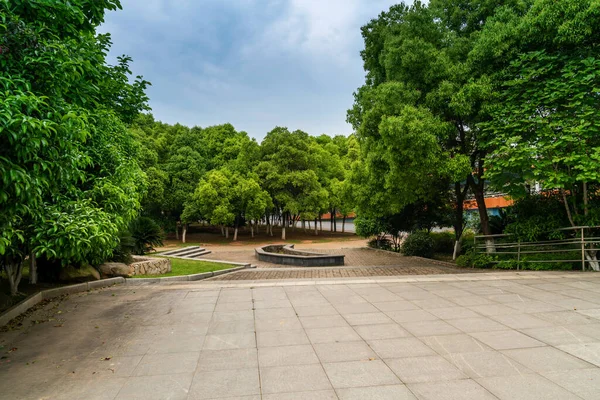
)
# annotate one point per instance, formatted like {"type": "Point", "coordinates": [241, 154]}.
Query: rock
{"type": "Point", "coordinates": [150, 266]}
{"type": "Point", "coordinates": [82, 274]}
{"type": "Point", "coordinates": [115, 269]}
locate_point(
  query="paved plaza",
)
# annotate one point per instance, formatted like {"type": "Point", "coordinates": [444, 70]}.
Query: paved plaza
{"type": "Point", "coordinates": [533, 335]}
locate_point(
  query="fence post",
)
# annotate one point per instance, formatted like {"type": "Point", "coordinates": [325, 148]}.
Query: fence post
{"type": "Point", "coordinates": [582, 250]}
{"type": "Point", "coordinates": [519, 255]}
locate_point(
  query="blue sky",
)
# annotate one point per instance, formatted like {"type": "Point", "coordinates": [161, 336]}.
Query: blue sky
{"type": "Point", "coordinates": [254, 63]}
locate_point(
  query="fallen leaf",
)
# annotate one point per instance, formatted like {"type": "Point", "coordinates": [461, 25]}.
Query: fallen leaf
{"type": "Point", "coordinates": [13, 349]}
{"type": "Point", "coordinates": [105, 358]}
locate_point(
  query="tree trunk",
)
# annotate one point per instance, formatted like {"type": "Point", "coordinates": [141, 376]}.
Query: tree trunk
{"type": "Point", "coordinates": [176, 230]}
{"type": "Point", "coordinates": [14, 272]}
{"type": "Point", "coordinates": [567, 208]}
{"type": "Point", "coordinates": [316, 230]}
{"type": "Point", "coordinates": [458, 222]}
{"type": "Point", "coordinates": [585, 200]}
{"type": "Point", "coordinates": [320, 223]}
{"type": "Point", "coordinates": [226, 232]}
{"type": "Point", "coordinates": [283, 229]}
{"type": "Point", "coordinates": [33, 275]}
{"type": "Point", "coordinates": [252, 229]}
{"type": "Point", "coordinates": [478, 191]}
{"type": "Point", "coordinates": [235, 232]}
{"type": "Point", "coordinates": [331, 220]}
{"type": "Point", "coordinates": [184, 233]}
{"type": "Point", "coordinates": [344, 223]}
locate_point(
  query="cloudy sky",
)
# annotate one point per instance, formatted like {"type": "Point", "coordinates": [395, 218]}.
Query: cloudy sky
{"type": "Point", "coordinates": [255, 63]}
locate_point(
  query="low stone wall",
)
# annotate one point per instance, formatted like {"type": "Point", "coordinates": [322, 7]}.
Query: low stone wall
{"type": "Point", "coordinates": [287, 255]}
{"type": "Point", "coordinates": [149, 266]}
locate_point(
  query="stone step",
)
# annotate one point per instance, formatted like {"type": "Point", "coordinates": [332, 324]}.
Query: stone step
{"type": "Point", "coordinates": [182, 252]}
{"type": "Point", "coordinates": [197, 254]}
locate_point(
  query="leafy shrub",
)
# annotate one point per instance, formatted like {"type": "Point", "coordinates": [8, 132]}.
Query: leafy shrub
{"type": "Point", "coordinates": [443, 242]}
{"type": "Point", "coordinates": [510, 264]}
{"type": "Point", "coordinates": [122, 253]}
{"type": "Point", "coordinates": [465, 261]}
{"type": "Point", "coordinates": [146, 235]}
{"type": "Point", "coordinates": [483, 260]}
{"type": "Point", "coordinates": [418, 244]}
{"type": "Point", "coordinates": [381, 243]}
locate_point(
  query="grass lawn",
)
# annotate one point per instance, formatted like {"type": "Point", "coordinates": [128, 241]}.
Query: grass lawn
{"type": "Point", "coordinates": [188, 267]}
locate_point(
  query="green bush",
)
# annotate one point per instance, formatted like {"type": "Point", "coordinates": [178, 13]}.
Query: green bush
{"type": "Point", "coordinates": [122, 253]}
{"type": "Point", "coordinates": [465, 261]}
{"type": "Point", "coordinates": [483, 260]}
{"type": "Point", "coordinates": [443, 242]}
{"type": "Point", "coordinates": [146, 235]}
{"type": "Point", "coordinates": [418, 244]}
{"type": "Point", "coordinates": [381, 243]}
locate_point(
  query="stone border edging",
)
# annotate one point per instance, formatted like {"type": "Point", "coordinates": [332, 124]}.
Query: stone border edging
{"type": "Point", "coordinates": [36, 298]}
{"type": "Point", "coordinates": [304, 259]}
{"type": "Point", "coordinates": [187, 278]}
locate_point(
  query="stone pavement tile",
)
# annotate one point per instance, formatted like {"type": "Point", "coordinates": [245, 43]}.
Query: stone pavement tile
{"type": "Point", "coordinates": [273, 313]}
{"type": "Point", "coordinates": [486, 364]}
{"type": "Point", "coordinates": [313, 311]}
{"type": "Point", "coordinates": [506, 340]}
{"type": "Point", "coordinates": [232, 316]}
{"type": "Point", "coordinates": [411, 315]}
{"type": "Point", "coordinates": [269, 293]}
{"type": "Point", "coordinates": [435, 302]}
{"type": "Point", "coordinates": [558, 335]}
{"type": "Point", "coordinates": [392, 392]}
{"type": "Point", "coordinates": [583, 382]}
{"type": "Point", "coordinates": [400, 348]}
{"type": "Point", "coordinates": [315, 395]}
{"type": "Point", "coordinates": [268, 304]}
{"type": "Point", "coordinates": [281, 338]}
{"type": "Point", "coordinates": [175, 344]}
{"type": "Point", "coordinates": [355, 308]}
{"type": "Point", "coordinates": [472, 300]}
{"type": "Point", "coordinates": [536, 306]}
{"type": "Point", "coordinates": [216, 360]}
{"type": "Point", "coordinates": [344, 351]}
{"type": "Point", "coordinates": [451, 293]}
{"type": "Point", "coordinates": [489, 310]}
{"type": "Point", "coordinates": [97, 367]}
{"type": "Point", "coordinates": [198, 294]}
{"type": "Point", "coordinates": [566, 318]}
{"type": "Point", "coordinates": [229, 341]}
{"type": "Point", "coordinates": [167, 364]}
{"type": "Point", "coordinates": [181, 319]}
{"type": "Point", "coordinates": [589, 352]}
{"type": "Point", "coordinates": [478, 324]}
{"type": "Point", "coordinates": [235, 306]}
{"type": "Point", "coordinates": [360, 374]}
{"type": "Point", "coordinates": [287, 355]}
{"type": "Point", "coordinates": [220, 327]}
{"type": "Point", "coordinates": [424, 369]}
{"type": "Point", "coordinates": [591, 330]}
{"type": "Point", "coordinates": [452, 344]}
{"type": "Point", "coordinates": [381, 331]}
{"type": "Point", "coordinates": [331, 335]}
{"type": "Point", "coordinates": [521, 321]}
{"type": "Point", "coordinates": [507, 298]}
{"type": "Point", "coordinates": [380, 296]}
{"type": "Point", "coordinates": [453, 313]}
{"type": "Point", "coordinates": [398, 305]}
{"type": "Point", "coordinates": [430, 328]}
{"type": "Point", "coordinates": [278, 324]}
{"type": "Point", "coordinates": [297, 378]}
{"type": "Point", "coordinates": [525, 387]}
{"type": "Point", "coordinates": [540, 359]}
{"type": "Point", "coordinates": [592, 313]}
{"type": "Point", "coordinates": [235, 295]}
{"type": "Point", "coordinates": [464, 389]}
{"type": "Point", "coordinates": [90, 389]}
{"type": "Point", "coordinates": [173, 387]}
{"type": "Point", "coordinates": [368, 319]}
{"type": "Point", "coordinates": [223, 384]}
{"type": "Point", "coordinates": [323, 321]}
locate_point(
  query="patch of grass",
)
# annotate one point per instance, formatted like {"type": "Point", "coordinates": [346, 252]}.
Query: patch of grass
{"type": "Point", "coordinates": [188, 267]}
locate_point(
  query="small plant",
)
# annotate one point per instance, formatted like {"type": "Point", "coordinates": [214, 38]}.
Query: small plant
{"type": "Point", "coordinates": [146, 235]}
{"type": "Point", "coordinates": [418, 244]}
{"type": "Point", "coordinates": [380, 243]}
{"type": "Point", "coordinates": [443, 242]}
{"type": "Point", "coordinates": [465, 261]}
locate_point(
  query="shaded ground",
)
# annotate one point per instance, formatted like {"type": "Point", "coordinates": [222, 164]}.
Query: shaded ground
{"type": "Point", "coordinates": [532, 335]}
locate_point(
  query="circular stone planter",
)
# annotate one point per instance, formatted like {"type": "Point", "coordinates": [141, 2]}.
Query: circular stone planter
{"type": "Point", "coordinates": [286, 255]}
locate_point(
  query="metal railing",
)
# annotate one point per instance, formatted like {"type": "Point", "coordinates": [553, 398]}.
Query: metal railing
{"type": "Point", "coordinates": [580, 240]}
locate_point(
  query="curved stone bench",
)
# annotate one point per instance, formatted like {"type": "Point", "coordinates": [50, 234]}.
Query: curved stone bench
{"type": "Point", "coordinates": [287, 255]}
